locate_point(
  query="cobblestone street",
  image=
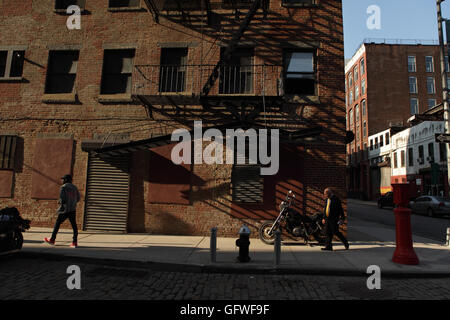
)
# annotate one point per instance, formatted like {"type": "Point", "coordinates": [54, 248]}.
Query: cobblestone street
{"type": "Point", "coordinates": [26, 278]}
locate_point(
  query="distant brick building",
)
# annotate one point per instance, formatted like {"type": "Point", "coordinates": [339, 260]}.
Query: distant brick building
{"type": "Point", "coordinates": [101, 102]}
{"type": "Point", "coordinates": [386, 84]}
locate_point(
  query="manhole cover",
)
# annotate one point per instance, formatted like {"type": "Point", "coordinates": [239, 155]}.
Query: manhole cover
{"type": "Point", "coordinates": [359, 290]}
{"type": "Point", "coordinates": [115, 272]}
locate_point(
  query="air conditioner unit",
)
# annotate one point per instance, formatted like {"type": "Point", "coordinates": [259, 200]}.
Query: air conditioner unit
{"type": "Point", "coordinates": [420, 161]}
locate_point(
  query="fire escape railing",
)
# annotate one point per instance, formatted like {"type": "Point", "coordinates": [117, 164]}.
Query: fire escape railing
{"type": "Point", "coordinates": [254, 80]}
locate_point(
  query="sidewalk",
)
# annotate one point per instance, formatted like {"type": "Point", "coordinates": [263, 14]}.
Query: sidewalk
{"type": "Point", "coordinates": [370, 244]}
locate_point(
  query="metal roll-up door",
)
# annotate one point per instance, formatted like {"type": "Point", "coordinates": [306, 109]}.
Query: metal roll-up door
{"type": "Point", "coordinates": [107, 193]}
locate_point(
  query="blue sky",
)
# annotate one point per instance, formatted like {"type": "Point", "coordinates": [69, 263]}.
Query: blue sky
{"type": "Point", "coordinates": [400, 19]}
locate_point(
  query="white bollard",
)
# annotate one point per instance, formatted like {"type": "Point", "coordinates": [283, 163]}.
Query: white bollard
{"type": "Point", "coordinates": [277, 247]}
{"type": "Point", "coordinates": [448, 237]}
{"type": "Point", "coordinates": [213, 244]}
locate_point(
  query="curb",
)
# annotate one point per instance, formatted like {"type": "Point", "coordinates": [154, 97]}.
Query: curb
{"type": "Point", "coordinates": [224, 269]}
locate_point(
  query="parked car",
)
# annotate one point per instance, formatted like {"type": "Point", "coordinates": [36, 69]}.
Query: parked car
{"type": "Point", "coordinates": [431, 206]}
{"type": "Point", "coordinates": [386, 200]}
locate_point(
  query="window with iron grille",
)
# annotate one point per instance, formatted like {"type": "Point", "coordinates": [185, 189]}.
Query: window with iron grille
{"type": "Point", "coordinates": [7, 151]}
{"type": "Point", "coordinates": [246, 180]}
{"type": "Point", "coordinates": [11, 63]}
{"type": "Point", "coordinates": [236, 76]}
{"type": "Point", "coordinates": [117, 71]}
{"type": "Point", "coordinates": [299, 73]}
{"type": "Point", "coordinates": [62, 71]}
{"type": "Point", "coordinates": [247, 184]}
{"type": "Point", "coordinates": [172, 73]}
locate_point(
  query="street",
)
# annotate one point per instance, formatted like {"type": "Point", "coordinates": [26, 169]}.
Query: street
{"type": "Point", "coordinates": [424, 226]}
{"type": "Point", "coordinates": [34, 278]}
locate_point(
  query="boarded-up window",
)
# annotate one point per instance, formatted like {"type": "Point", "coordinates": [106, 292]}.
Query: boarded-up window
{"type": "Point", "coordinates": [64, 4]}
{"type": "Point", "coordinates": [52, 160]}
{"type": "Point", "coordinates": [7, 151]}
{"type": "Point", "coordinates": [62, 71]}
{"type": "Point", "coordinates": [169, 182]}
{"type": "Point", "coordinates": [117, 71]}
{"type": "Point", "coordinates": [124, 3]}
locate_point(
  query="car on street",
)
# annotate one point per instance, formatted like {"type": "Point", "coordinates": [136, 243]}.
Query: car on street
{"type": "Point", "coordinates": [386, 200]}
{"type": "Point", "coordinates": [431, 206]}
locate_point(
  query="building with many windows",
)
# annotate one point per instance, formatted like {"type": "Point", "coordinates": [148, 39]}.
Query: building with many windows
{"type": "Point", "coordinates": [385, 85]}
{"type": "Point", "coordinates": [101, 102]}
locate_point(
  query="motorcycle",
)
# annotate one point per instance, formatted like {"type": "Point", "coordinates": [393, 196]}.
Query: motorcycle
{"type": "Point", "coordinates": [296, 225]}
{"type": "Point", "coordinates": [11, 227]}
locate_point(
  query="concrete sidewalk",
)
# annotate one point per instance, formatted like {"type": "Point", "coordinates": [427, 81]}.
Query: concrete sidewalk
{"type": "Point", "coordinates": [370, 244]}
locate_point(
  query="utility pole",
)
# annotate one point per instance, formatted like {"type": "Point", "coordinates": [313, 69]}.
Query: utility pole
{"type": "Point", "coordinates": [444, 82]}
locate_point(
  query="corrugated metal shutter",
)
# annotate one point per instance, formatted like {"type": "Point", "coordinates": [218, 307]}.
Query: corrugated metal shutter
{"type": "Point", "coordinates": [107, 193]}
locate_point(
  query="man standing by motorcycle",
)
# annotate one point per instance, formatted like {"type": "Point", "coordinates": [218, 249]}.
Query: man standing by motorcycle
{"type": "Point", "coordinates": [68, 199]}
{"type": "Point", "coordinates": [333, 213]}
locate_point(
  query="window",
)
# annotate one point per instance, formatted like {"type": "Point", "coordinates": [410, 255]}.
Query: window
{"type": "Point", "coordinates": [414, 105]}
{"type": "Point", "coordinates": [300, 75]}
{"type": "Point", "coordinates": [355, 72]}
{"type": "Point", "coordinates": [387, 138]}
{"type": "Point", "coordinates": [443, 151]}
{"type": "Point", "coordinates": [376, 143]}
{"type": "Point", "coordinates": [430, 85]}
{"type": "Point", "coordinates": [351, 116]}
{"type": "Point", "coordinates": [363, 107]}
{"type": "Point", "coordinates": [350, 79]}
{"type": "Point", "coordinates": [381, 141]}
{"type": "Point", "coordinates": [64, 4]}
{"type": "Point", "coordinates": [7, 151]}
{"type": "Point", "coordinates": [364, 129]}
{"type": "Point", "coordinates": [371, 144]}
{"type": "Point", "coordinates": [299, 2]}
{"type": "Point", "coordinates": [356, 91]}
{"type": "Point", "coordinates": [124, 3]}
{"type": "Point", "coordinates": [395, 159]}
{"type": "Point", "coordinates": [351, 96]}
{"type": "Point", "coordinates": [421, 152]}
{"type": "Point", "coordinates": [431, 103]}
{"type": "Point", "coordinates": [172, 73]}
{"type": "Point", "coordinates": [402, 158]}
{"type": "Point", "coordinates": [62, 72]}
{"type": "Point", "coordinates": [412, 85]}
{"type": "Point", "coordinates": [11, 64]}
{"type": "Point", "coordinates": [357, 114]}
{"type": "Point", "coordinates": [429, 64]}
{"type": "Point", "coordinates": [411, 157]}
{"type": "Point", "coordinates": [431, 151]}
{"type": "Point", "coordinates": [446, 63]}
{"type": "Point", "coordinates": [237, 75]}
{"type": "Point", "coordinates": [362, 67]}
{"type": "Point", "coordinates": [411, 64]}
{"type": "Point", "coordinates": [117, 71]}
{"type": "Point", "coordinates": [363, 86]}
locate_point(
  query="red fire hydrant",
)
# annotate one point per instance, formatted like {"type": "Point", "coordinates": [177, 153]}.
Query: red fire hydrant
{"type": "Point", "coordinates": [404, 252]}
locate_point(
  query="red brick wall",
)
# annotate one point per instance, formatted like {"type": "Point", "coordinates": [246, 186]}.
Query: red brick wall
{"type": "Point", "coordinates": [23, 112]}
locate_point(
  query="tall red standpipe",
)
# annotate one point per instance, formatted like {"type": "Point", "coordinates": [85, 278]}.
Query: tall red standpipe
{"type": "Point", "coordinates": [404, 252]}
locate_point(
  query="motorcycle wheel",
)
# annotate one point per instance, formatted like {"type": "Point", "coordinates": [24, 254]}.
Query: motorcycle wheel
{"type": "Point", "coordinates": [16, 241]}
{"type": "Point", "coordinates": [264, 233]}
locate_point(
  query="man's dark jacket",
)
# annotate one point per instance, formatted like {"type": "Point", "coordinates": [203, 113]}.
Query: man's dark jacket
{"type": "Point", "coordinates": [336, 211]}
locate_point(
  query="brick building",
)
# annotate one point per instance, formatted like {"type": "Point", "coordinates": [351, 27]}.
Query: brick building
{"type": "Point", "coordinates": [102, 101]}
{"type": "Point", "coordinates": [386, 84]}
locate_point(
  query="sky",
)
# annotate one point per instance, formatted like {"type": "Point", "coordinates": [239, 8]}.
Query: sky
{"type": "Point", "coordinates": [399, 19]}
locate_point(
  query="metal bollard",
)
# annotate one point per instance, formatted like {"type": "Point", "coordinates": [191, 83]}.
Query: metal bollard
{"type": "Point", "coordinates": [277, 247]}
{"type": "Point", "coordinates": [213, 244]}
{"type": "Point", "coordinates": [448, 237]}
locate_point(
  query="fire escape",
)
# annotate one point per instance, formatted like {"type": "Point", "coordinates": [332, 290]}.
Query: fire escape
{"type": "Point", "coordinates": [230, 91]}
